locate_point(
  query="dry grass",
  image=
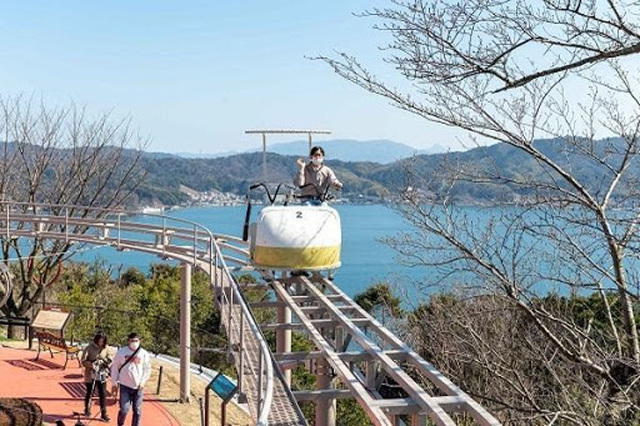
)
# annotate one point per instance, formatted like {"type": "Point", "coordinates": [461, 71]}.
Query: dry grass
{"type": "Point", "coordinates": [189, 414]}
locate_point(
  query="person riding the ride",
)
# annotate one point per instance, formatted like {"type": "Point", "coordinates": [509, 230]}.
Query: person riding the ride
{"type": "Point", "coordinates": [314, 178]}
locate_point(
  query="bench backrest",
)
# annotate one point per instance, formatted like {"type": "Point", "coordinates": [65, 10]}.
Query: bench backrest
{"type": "Point", "coordinates": [50, 339]}
{"type": "Point", "coordinates": [51, 321]}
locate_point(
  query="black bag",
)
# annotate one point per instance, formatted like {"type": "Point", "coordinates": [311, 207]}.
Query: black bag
{"type": "Point", "coordinates": [133, 355]}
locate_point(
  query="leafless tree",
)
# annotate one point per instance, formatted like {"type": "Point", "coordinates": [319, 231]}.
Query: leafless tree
{"type": "Point", "coordinates": [63, 156]}
{"type": "Point", "coordinates": [516, 72]}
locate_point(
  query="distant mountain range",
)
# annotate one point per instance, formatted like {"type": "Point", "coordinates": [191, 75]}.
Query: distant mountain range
{"type": "Point", "coordinates": [379, 151]}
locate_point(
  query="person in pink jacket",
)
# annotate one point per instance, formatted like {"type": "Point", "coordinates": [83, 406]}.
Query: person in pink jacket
{"type": "Point", "coordinates": [130, 371]}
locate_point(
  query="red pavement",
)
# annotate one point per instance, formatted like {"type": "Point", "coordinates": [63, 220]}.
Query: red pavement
{"type": "Point", "coordinates": [61, 392]}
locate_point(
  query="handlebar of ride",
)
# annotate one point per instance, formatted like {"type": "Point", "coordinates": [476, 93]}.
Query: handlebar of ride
{"type": "Point", "coordinates": [321, 196]}
{"type": "Point", "coordinates": [266, 189]}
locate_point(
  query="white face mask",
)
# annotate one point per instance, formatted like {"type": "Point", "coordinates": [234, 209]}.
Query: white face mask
{"type": "Point", "coordinates": [134, 345]}
{"type": "Point", "coordinates": [317, 161]}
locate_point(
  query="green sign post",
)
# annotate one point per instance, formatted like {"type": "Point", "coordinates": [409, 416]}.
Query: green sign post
{"type": "Point", "coordinates": [225, 389]}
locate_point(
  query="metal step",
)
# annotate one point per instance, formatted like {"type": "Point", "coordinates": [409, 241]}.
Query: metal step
{"type": "Point", "coordinates": [284, 408]}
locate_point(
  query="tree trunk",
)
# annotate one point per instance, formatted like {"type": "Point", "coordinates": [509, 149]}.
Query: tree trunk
{"type": "Point", "coordinates": [15, 332]}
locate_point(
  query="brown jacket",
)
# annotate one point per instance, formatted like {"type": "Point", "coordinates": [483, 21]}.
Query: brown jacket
{"type": "Point", "coordinates": [90, 354]}
{"type": "Point", "coordinates": [321, 177]}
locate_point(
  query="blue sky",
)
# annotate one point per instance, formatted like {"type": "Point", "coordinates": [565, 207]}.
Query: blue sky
{"type": "Point", "coordinates": [194, 75]}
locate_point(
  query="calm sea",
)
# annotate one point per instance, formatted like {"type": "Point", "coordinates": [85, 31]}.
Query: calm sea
{"type": "Point", "coordinates": [365, 260]}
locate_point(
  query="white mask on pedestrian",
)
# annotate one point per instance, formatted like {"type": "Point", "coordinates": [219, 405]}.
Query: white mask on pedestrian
{"type": "Point", "coordinates": [134, 345]}
{"type": "Point", "coordinates": [317, 161]}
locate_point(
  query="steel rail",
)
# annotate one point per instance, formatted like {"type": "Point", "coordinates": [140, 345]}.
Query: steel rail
{"type": "Point", "coordinates": [378, 417]}
{"type": "Point", "coordinates": [386, 350]}
{"type": "Point", "coordinates": [481, 415]}
{"type": "Point", "coordinates": [435, 412]}
{"type": "Point", "coordinates": [204, 252]}
{"type": "Point", "coordinates": [265, 358]}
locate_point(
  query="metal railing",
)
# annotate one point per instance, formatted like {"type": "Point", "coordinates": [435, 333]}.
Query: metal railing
{"type": "Point", "coordinates": [265, 367]}
{"type": "Point", "coordinates": [198, 246]}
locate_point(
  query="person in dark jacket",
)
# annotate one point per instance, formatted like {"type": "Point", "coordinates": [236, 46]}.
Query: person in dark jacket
{"type": "Point", "coordinates": [96, 364]}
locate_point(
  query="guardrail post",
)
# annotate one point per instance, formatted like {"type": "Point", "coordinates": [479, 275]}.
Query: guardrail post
{"type": "Point", "coordinates": [241, 351]}
{"type": "Point", "coordinates": [185, 333]}
{"type": "Point", "coordinates": [211, 256]}
{"type": "Point", "coordinates": [66, 224]}
{"type": "Point", "coordinates": [230, 278]}
{"type": "Point", "coordinates": [119, 214]}
{"type": "Point", "coordinates": [163, 236]}
{"type": "Point", "coordinates": [215, 264]}
{"type": "Point", "coordinates": [195, 244]}
{"type": "Point", "coordinates": [260, 373]}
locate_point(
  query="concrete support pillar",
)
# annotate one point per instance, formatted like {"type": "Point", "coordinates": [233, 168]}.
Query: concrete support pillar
{"type": "Point", "coordinates": [283, 337]}
{"type": "Point", "coordinates": [370, 374]}
{"type": "Point", "coordinates": [325, 408]}
{"type": "Point", "coordinates": [339, 338]}
{"type": "Point", "coordinates": [185, 333]}
{"type": "Point", "coordinates": [418, 419]}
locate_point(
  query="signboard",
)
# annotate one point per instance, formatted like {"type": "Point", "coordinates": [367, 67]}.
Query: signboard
{"type": "Point", "coordinates": [50, 320]}
{"type": "Point", "coordinates": [222, 386]}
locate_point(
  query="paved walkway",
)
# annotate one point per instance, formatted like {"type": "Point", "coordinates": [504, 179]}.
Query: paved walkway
{"type": "Point", "coordinates": [61, 392]}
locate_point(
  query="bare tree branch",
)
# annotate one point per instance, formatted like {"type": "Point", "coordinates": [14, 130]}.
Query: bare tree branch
{"type": "Point", "coordinates": [60, 155]}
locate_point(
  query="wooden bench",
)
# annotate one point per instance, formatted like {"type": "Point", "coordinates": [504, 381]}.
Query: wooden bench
{"type": "Point", "coordinates": [48, 341]}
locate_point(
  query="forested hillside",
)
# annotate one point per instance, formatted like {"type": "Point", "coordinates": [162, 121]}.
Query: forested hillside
{"type": "Point", "coordinates": [236, 173]}
{"type": "Point", "coordinates": [164, 173]}
{"type": "Point", "coordinates": [376, 181]}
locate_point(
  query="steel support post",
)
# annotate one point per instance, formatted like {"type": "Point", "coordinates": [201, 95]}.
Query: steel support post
{"type": "Point", "coordinates": [264, 156]}
{"type": "Point", "coordinates": [283, 337]}
{"type": "Point", "coordinates": [325, 408]}
{"type": "Point", "coordinates": [339, 339]}
{"type": "Point", "coordinates": [370, 374]}
{"type": "Point", "coordinates": [418, 420]}
{"type": "Point", "coordinates": [241, 355]}
{"type": "Point", "coordinates": [185, 333]}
